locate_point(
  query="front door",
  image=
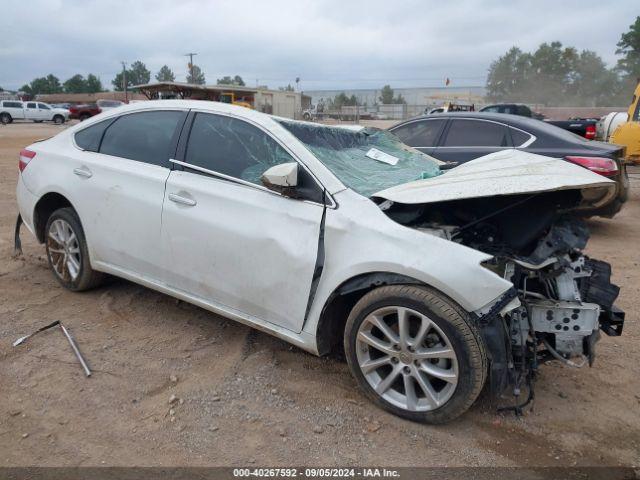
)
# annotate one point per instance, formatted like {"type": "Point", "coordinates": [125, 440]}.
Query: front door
{"type": "Point", "coordinates": [230, 241]}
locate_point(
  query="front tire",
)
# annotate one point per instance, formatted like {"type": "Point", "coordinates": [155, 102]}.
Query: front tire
{"type": "Point", "coordinates": [415, 353]}
{"type": "Point", "coordinates": [5, 118]}
{"type": "Point", "coordinates": [67, 251]}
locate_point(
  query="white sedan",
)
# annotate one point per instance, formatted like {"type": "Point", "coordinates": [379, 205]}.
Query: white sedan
{"type": "Point", "coordinates": [332, 238]}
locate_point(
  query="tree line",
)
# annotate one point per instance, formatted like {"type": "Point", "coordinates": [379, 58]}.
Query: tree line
{"type": "Point", "coordinates": [563, 76]}
{"type": "Point", "coordinates": [136, 74]}
{"type": "Point", "coordinates": [387, 97]}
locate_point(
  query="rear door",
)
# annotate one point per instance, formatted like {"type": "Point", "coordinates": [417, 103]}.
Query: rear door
{"type": "Point", "coordinates": [229, 240]}
{"type": "Point", "coordinates": [466, 139]}
{"type": "Point", "coordinates": [31, 111]}
{"type": "Point", "coordinates": [44, 112]}
{"type": "Point", "coordinates": [119, 179]}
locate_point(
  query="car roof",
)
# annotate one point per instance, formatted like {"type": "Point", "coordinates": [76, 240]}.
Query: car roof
{"type": "Point", "coordinates": [505, 104]}
{"type": "Point", "coordinates": [506, 118]}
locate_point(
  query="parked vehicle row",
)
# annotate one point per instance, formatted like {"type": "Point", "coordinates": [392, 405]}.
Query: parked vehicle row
{"type": "Point", "coordinates": [11, 110]}
{"type": "Point", "coordinates": [457, 138]}
{"type": "Point", "coordinates": [84, 111]}
{"type": "Point", "coordinates": [583, 127]}
{"type": "Point", "coordinates": [433, 283]}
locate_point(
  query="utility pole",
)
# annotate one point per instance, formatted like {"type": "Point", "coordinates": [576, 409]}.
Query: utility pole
{"type": "Point", "coordinates": [124, 81]}
{"type": "Point", "coordinates": [190, 55]}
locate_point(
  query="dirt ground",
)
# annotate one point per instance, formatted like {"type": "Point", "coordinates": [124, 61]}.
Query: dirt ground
{"type": "Point", "coordinates": [244, 398]}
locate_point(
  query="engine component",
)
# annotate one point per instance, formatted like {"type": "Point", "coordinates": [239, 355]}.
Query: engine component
{"type": "Point", "coordinates": [569, 322]}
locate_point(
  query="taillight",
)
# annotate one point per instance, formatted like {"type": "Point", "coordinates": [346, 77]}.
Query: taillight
{"type": "Point", "coordinates": [590, 133]}
{"type": "Point", "coordinates": [600, 165]}
{"type": "Point", "coordinates": [25, 158]}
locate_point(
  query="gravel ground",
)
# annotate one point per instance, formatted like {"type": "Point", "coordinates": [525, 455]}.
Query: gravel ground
{"type": "Point", "coordinates": [176, 385]}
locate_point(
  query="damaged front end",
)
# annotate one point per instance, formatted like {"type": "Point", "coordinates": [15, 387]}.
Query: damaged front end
{"type": "Point", "coordinates": [561, 299]}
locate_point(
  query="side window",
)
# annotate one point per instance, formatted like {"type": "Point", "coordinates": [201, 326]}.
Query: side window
{"type": "Point", "coordinates": [233, 147]}
{"type": "Point", "coordinates": [42, 106]}
{"type": "Point", "coordinates": [493, 109]}
{"type": "Point", "coordinates": [31, 105]}
{"type": "Point", "coordinates": [519, 137]}
{"type": "Point", "coordinates": [420, 134]}
{"type": "Point", "coordinates": [476, 133]}
{"type": "Point", "coordinates": [145, 136]}
{"type": "Point", "coordinates": [89, 138]}
{"type": "Point", "coordinates": [524, 111]}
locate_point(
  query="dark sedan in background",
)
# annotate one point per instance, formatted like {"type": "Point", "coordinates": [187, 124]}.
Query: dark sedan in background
{"type": "Point", "coordinates": [460, 137]}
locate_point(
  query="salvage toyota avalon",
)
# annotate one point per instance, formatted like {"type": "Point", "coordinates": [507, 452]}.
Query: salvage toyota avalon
{"type": "Point", "coordinates": [433, 283]}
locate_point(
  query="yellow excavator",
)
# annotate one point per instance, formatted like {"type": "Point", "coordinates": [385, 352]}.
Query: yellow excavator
{"type": "Point", "coordinates": [230, 97]}
{"type": "Point", "coordinates": [628, 134]}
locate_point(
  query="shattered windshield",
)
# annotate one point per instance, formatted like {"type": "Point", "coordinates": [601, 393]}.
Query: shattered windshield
{"type": "Point", "coordinates": [367, 160]}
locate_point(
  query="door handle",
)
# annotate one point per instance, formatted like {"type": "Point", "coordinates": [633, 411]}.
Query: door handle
{"type": "Point", "coordinates": [83, 172]}
{"type": "Point", "coordinates": [174, 197]}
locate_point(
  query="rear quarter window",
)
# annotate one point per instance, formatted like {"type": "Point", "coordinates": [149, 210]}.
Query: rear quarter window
{"type": "Point", "coordinates": [519, 137]}
{"type": "Point", "coordinates": [89, 138]}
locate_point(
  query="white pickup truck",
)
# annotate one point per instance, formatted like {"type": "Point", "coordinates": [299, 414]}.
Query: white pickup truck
{"type": "Point", "coordinates": [11, 110]}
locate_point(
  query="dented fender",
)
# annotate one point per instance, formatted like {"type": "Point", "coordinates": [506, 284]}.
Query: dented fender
{"type": "Point", "coordinates": [360, 239]}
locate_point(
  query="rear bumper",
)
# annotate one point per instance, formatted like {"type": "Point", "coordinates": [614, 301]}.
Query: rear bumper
{"type": "Point", "coordinates": [26, 204]}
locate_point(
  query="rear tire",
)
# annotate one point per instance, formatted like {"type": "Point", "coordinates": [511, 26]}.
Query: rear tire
{"type": "Point", "coordinates": [434, 371]}
{"type": "Point", "coordinates": [83, 117]}
{"type": "Point", "coordinates": [58, 119]}
{"type": "Point", "coordinates": [67, 251]}
{"type": "Point", "coordinates": [5, 118]}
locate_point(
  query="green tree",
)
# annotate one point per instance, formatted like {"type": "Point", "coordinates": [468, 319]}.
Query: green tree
{"type": "Point", "coordinates": [93, 84]}
{"type": "Point", "coordinates": [48, 84]}
{"type": "Point", "coordinates": [508, 74]}
{"type": "Point", "coordinates": [387, 98]}
{"type": "Point", "coordinates": [592, 84]}
{"type": "Point", "coordinates": [118, 82]}
{"type": "Point", "coordinates": [138, 74]}
{"type": "Point", "coordinates": [76, 84]}
{"type": "Point", "coordinates": [552, 75]}
{"type": "Point", "coordinates": [198, 76]}
{"type": "Point", "coordinates": [165, 74]}
{"type": "Point", "coordinates": [629, 48]}
{"type": "Point", "coordinates": [227, 80]}
{"type": "Point", "coordinates": [338, 101]}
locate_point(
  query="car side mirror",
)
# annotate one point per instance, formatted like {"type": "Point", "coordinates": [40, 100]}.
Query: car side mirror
{"type": "Point", "coordinates": [282, 178]}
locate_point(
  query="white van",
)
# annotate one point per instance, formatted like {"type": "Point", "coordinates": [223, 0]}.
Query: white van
{"type": "Point", "coordinates": [11, 110]}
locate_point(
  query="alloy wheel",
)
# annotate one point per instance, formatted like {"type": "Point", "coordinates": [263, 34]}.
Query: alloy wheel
{"type": "Point", "coordinates": [406, 358]}
{"type": "Point", "coordinates": [63, 249]}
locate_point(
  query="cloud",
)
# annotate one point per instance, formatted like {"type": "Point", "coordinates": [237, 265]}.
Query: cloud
{"type": "Point", "coordinates": [328, 44]}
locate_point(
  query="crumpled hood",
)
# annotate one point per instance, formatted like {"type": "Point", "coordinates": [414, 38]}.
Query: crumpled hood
{"type": "Point", "coordinates": [501, 173]}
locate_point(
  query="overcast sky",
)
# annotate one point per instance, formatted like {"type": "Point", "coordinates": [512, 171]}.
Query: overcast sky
{"type": "Point", "coordinates": [328, 44]}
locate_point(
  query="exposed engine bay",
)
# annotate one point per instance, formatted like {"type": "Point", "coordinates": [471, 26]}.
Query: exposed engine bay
{"type": "Point", "coordinates": [561, 298]}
